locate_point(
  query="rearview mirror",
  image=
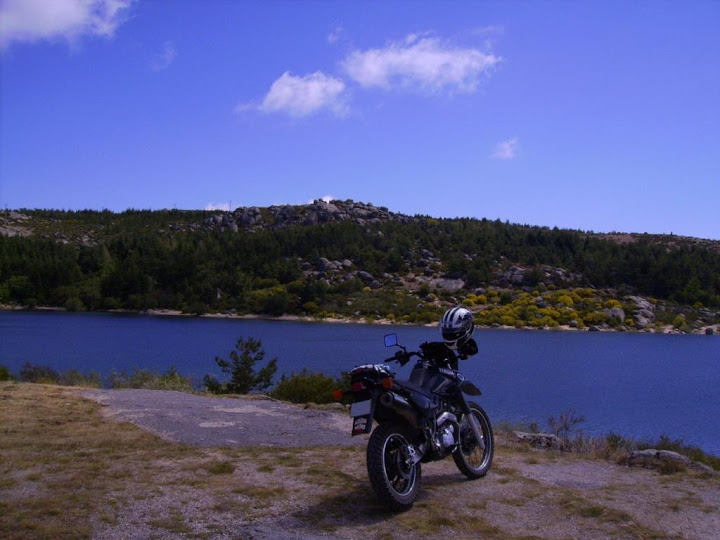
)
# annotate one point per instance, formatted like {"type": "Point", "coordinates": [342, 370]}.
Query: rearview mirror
{"type": "Point", "coordinates": [390, 340]}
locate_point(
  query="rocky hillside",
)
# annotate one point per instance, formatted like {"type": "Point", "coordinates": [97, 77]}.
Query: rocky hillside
{"type": "Point", "coordinates": [358, 261]}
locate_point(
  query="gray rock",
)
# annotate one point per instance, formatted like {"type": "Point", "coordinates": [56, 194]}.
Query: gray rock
{"type": "Point", "coordinates": [367, 277]}
{"type": "Point", "coordinates": [647, 314]}
{"type": "Point", "coordinates": [375, 285]}
{"type": "Point", "coordinates": [246, 220]}
{"type": "Point", "coordinates": [347, 263]}
{"type": "Point", "coordinates": [541, 440]}
{"type": "Point", "coordinates": [451, 285]}
{"type": "Point", "coordinates": [323, 264]}
{"type": "Point", "coordinates": [662, 459]}
{"type": "Point", "coordinates": [641, 322]}
{"type": "Point", "coordinates": [593, 329]}
{"type": "Point", "coordinates": [311, 219]}
{"type": "Point", "coordinates": [642, 303]}
{"type": "Point", "coordinates": [709, 331]}
{"type": "Point", "coordinates": [615, 313]}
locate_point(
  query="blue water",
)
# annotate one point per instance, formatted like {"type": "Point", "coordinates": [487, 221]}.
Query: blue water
{"type": "Point", "coordinates": [640, 385]}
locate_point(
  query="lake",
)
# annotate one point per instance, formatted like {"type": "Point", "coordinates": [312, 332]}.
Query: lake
{"type": "Point", "coordinates": [640, 385]}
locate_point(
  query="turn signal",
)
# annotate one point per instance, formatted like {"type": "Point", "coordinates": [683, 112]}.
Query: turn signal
{"type": "Point", "coordinates": [338, 394]}
{"type": "Point", "coordinates": [387, 383]}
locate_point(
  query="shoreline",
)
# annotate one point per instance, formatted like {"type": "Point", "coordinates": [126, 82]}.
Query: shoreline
{"type": "Point", "coordinates": [666, 330]}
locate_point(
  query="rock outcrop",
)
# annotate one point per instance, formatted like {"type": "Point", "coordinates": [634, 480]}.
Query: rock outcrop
{"type": "Point", "coordinates": [318, 212]}
{"type": "Point", "coordinates": [541, 440]}
{"type": "Point", "coordinates": [664, 460]}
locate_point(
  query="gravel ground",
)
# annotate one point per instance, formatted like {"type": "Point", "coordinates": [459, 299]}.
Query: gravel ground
{"type": "Point", "coordinates": [222, 421]}
{"type": "Point", "coordinates": [322, 491]}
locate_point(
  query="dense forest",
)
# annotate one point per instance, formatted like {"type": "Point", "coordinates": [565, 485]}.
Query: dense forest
{"type": "Point", "coordinates": [306, 260]}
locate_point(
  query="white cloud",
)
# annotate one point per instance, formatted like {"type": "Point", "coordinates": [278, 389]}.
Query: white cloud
{"type": "Point", "coordinates": [424, 63]}
{"type": "Point", "coordinates": [225, 207]}
{"type": "Point", "coordinates": [303, 96]}
{"type": "Point", "coordinates": [506, 149]}
{"type": "Point", "coordinates": [164, 58]}
{"type": "Point", "coordinates": [326, 198]}
{"type": "Point", "coordinates": [34, 20]}
{"type": "Point", "coordinates": [335, 35]}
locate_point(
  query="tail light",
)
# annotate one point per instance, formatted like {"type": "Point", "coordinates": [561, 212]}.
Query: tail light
{"type": "Point", "coordinates": [338, 394]}
{"type": "Point", "coordinates": [358, 386]}
{"type": "Point", "coordinates": [387, 383]}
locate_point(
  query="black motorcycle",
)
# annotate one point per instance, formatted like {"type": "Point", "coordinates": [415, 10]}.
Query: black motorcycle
{"type": "Point", "coordinates": [425, 418]}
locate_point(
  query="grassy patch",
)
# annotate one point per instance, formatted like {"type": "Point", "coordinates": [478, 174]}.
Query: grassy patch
{"type": "Point", "coordinates": [67, 459]}
{"type": "Point", "coordinates": [219, 467]}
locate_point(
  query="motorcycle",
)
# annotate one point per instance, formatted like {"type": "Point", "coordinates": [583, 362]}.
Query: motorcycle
{"type": "Point", "coordinates": [423, 419]}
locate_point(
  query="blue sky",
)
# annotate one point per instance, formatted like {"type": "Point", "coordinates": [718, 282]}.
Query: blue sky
{"type": "Point", "coordinates": [599, 116]}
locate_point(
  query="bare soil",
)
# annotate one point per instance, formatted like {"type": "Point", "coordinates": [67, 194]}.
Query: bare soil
{"type": "Point", "coordinates": [75, 466]}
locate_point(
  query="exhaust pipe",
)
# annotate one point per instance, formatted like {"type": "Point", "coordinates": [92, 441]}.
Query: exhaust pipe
{"type": "Point", "coordinates": [400, 405]}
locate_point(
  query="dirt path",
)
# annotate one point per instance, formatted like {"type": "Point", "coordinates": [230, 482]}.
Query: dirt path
{"type": "Point", "coordinates": [218, 421]}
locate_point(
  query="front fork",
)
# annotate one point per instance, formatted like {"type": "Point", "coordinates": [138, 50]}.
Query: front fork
{"type": "Point", "coordinates": [472, 421]}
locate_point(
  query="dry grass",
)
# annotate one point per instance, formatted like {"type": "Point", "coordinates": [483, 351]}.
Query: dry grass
{"type": "Point", "coordinates": [68, 472]}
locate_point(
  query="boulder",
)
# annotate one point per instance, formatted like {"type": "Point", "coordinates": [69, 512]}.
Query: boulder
{"type": "Point", "coordinates": [709, 331]}
{"type": "Point", "coordinates": [663, 460]}
{"type": "Point", "coordinates": [246, 220]}
{"type": "Point", "coordinates": [367, 277]}
{"type": "Point", "coordinates": [451, 285]}
{"type": "Point", "coordinates": [647, 314]}
{"type": "Point", "coordinates": [615, 313]}
{"type": "Point", "coordinates": [642, 303]}
{"type": "Point", "coordinates": [324, 264]}
{"type": "Point", "coordinates": [541, 440]}
{"type": "Point", "coordinates": [641, 322]}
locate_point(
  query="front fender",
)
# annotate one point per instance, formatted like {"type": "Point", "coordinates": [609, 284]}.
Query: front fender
{"type": "Point", "coordinates": [470, 389]}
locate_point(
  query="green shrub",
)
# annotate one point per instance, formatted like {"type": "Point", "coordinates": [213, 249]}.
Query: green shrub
{"type": "Point", "coordinates": [150, 380]}
{"type": "Point", "coordinates": [5, 374]}
{"type": "Point", "coordinates": [34, 373]}
{"type": "Point", "coordinates": [306, 387]}
{"type": "Point", "coordinates": [73, 377]}
{"type": "Point", "coordinates": [241, 368]}
{"type": "Point", "coordinates": [679, 321]}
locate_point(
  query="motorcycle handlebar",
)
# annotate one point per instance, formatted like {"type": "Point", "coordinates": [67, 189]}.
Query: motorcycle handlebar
{"type": "Point", "coordinates": [403, 357]}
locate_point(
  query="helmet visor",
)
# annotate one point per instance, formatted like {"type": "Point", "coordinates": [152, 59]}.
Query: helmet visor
{"type": "Point", "coordinates": [453, 335]}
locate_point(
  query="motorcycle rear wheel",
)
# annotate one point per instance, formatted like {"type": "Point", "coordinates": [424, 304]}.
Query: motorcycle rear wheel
{"type": "Point", "coordinates": [472, 460]}
{"type": "Point", "coordinates": [395, 480]}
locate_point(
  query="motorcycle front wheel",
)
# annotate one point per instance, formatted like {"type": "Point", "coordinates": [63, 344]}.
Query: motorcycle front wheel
{"type": "Point", "coordinates": [393, 476]}
{"type": "Point", "coordinates": [470, 457]}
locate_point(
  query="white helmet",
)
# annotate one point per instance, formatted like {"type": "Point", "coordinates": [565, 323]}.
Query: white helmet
{"type": "Point", "coordinates": [456, 327]}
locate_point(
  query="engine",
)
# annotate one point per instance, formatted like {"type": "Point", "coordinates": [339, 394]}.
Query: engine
{"type": "Point", "coordinates": [446, 433]}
